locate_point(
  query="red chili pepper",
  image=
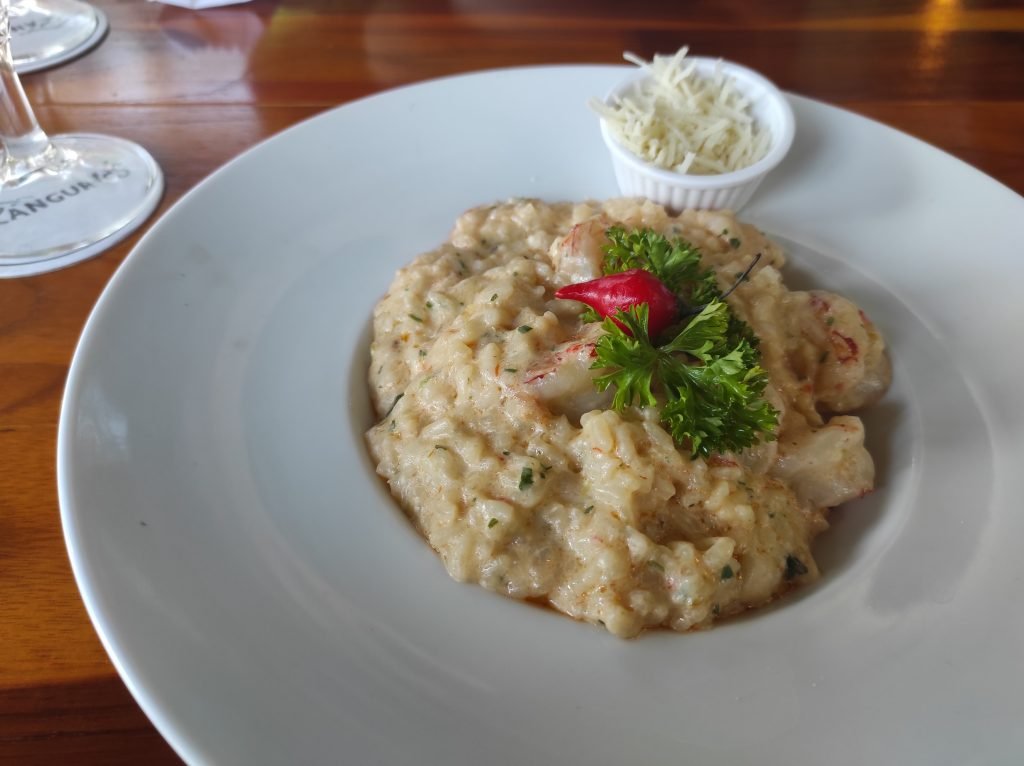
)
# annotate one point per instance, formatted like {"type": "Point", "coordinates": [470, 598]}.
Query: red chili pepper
{"type": "Point", "coordinates": [615, 292]}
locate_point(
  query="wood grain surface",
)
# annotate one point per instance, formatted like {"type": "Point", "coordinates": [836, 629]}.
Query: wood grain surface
{"type": "Point", "coordinates": [199, 87]}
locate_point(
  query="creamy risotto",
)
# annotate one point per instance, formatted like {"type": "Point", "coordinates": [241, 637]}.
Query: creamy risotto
{"type": "Point", "coordinates": [495, 441]}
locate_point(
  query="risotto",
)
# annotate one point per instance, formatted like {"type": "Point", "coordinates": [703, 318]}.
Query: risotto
{"type": "Point", "coordinates": [503, 453]}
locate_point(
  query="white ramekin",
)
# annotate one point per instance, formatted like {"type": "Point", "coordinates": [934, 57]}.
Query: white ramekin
{"type": "Point", "coordinates": [679, 191]}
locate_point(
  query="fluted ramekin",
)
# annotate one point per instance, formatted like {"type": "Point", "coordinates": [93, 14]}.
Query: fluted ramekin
{"type": "Point", "coordinates": [638, 178]}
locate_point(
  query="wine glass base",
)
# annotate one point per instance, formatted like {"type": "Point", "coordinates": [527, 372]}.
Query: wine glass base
{"type": "Point", "coordinates": [47, 34]}
{"type": "Point", "coordinates": [107, 188]}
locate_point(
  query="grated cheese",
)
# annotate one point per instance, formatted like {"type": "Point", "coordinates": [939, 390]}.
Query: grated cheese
{"type": "Point", "coordinates": [681, 120]}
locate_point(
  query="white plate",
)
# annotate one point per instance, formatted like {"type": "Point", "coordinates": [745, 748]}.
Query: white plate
{"type": "Point", "coordinates": [267, 603]}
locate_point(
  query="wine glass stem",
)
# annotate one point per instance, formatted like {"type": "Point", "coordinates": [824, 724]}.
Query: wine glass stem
{"type": "Point", "coordinates": [26, 145]}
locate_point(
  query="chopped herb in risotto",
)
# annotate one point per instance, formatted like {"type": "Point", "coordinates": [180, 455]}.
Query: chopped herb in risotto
{"type": "Point", "coordinates": [656, 445]}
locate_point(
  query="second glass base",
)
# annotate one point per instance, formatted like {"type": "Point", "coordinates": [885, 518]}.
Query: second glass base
{"type": "Point", "coordinates": [106, 188]}
{"type": "Point", "coordinates": [45, 33]}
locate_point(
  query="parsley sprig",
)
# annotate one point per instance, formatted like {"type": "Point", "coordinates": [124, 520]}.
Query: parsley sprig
{"type": "Point", "coordinates": [712, 396]}
{"type": "Point", "coordinates": [707, 376]}
{"type": "Point", "coordinates": [675, 262]}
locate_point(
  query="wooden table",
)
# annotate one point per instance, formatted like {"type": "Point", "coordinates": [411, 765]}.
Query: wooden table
{"type": "Point", "coordinates": [197, 88]}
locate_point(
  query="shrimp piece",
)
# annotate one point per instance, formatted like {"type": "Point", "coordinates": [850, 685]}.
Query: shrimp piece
{"type": "Point", "coordinates": [579, 255]}
{"type": "Point", "coordinates": [844, 354]}
{"type": "Point", "coordinates": [827, 466]}
{"type": "Point", "coordinates": [563, 380]}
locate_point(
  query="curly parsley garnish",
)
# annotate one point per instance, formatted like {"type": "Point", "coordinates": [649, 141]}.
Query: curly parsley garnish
{"type": "Point", "coordinates": [707, 378]}
{"type": "Point", "coordinates": [676, 262]}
